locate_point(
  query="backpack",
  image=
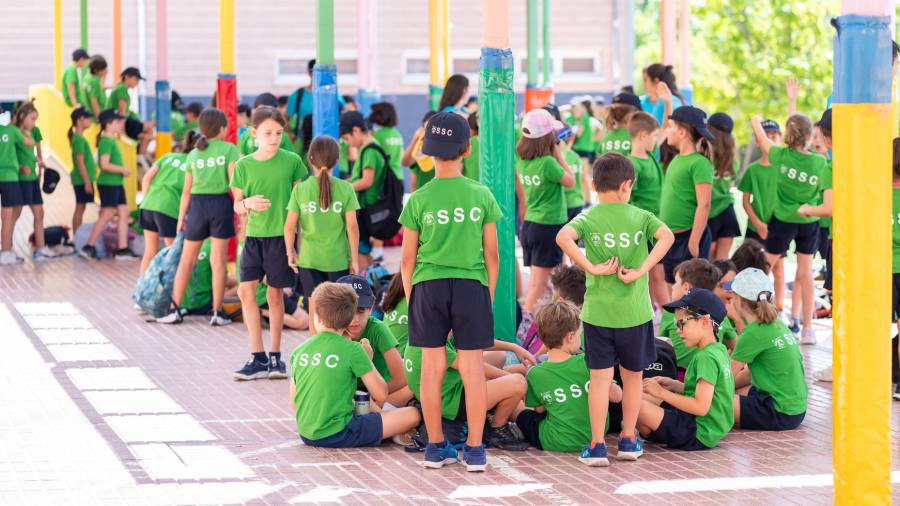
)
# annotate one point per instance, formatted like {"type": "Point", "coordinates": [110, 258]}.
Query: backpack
{"type": "Point", "coordinates": [153, 292]}
{"type": "Point", "coordinates": [379, 278]}
{"type": "Point", "coordinates": [526, 335]}
{"type": "Point", "coordinates": [300, 91]}
{"type": "Point", "coordinates": [379, 220]}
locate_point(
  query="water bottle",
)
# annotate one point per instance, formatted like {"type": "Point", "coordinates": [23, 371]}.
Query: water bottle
{"type": "Point", "coordinates": [361, 402]}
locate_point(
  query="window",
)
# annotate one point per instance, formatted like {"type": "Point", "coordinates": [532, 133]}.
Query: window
{"type": "Point", "coordinates": [291, 69]}
{"type": "Point", "coordinates": [578, 66]}
{"type": "Point", "coordinates": [466, 65]}
{"type": "Point", "coordinates": [417, 67]}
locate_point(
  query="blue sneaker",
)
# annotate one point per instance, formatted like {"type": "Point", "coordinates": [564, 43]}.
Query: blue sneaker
{"type": "Point", "coordinates": [437, 456]}
{"type": "Point", "coordinates": [594, 456]}
{"type": "Point", "coordinates": [794, 325]}
{"type": "Point", "coordinates": [475, 457]}
{"type": "Point", "coordinates": [252, 370]}
{"type": "Point", "coordinates": [630, 449]}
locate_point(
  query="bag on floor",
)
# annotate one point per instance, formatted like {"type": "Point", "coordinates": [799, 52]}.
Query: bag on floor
{"type": "Point", "coordinates": [81, 239]}
{"type": "Point", "coordinates": [153, 292]}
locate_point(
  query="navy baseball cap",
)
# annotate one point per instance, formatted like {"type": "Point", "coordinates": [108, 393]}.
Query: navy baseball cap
{"type": "Point", "coordinates": [445, 135]}
{"type": "Point", "coordinates": [722, 122]}
{"type": "Point", "coordinates": [770, 125]}
{"type": "Point", "coordinates": [825, 122]}
{"type": "Point", "coordinates": [694, 117]}
{"type": "Point", "coordinates": [109, 115]}
{"type": "Point", "coordinates": [51, 179]}
{"type": "Point", "coordinates": [627, 99]}
{"type": "Point", "coordinates": [79, 113]}
{"type": "Point", "coordinates": [80, 54]}
{"type": "Point", "coordinates": [365, 295]}
{"type": "Point", "coordinates": [265, 99]}
{"type": "Point", "coordinates": [700, 301]}
{"type": "Point", "coordinates": [132, 72]}
{"type": "Point", "coordinates": [349, 120]}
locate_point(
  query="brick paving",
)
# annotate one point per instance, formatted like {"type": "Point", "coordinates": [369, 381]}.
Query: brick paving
{"type": "Point", "coordinates": [103, 408]}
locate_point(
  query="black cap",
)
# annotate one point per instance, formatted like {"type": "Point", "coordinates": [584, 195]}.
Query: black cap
{"type": "Point", "coordinates": [694, 117]}
{"type": "Point", "coordinates": [627, 99]}
{"type": "Point", "coordinates": [132, 72]}
{"type": "Point", "coordinates": [79, 113]}
{"type": "Point", "coordinates": [825, 122]}
{"type": "Point", "coordinates": [109, 115]}
{"type": "Point", "coordinates": [265, 99]}
{"type": "Point", "coordinates": [722, 122]}
{"type": "Point", "coordinates": [51, 179]}
{"type": "Point", "coordinates": [554, 111]}
{"type": "Point", "coordinates": [364, 294]}
{"type": "Point", "coordinates": [445, 135]}
{"type": "Point", "coordinates": [700, 301]}
{"type": "Point", "coordinates": [351, 119]}
{"type": "Point", "coordinates": [80, 54]}
{"type": "Point", "coordinates": [770, 125]}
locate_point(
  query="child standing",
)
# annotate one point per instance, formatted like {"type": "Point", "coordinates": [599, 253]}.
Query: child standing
{"type": "Point", "coordinates": [191, 120]}
{"type": "Point", "coordinates": [120, 100]}
{"type": "Point", "coordinates": [766, 363]}
{"type": "Point", "coordinates": [84, 171]}
{"type": "Point", "coordinates": [94, 91]}
{"type": "Point", "coordinates": [580, 121]}
{"type": "Point", "coordinates": [723, 224]}
{"type": "Point", "coordinates": [31, 168]}
{"type": "Point", "coordinates": [247, 143]}
{"type": "Point", "coordinates": [71, 79]}
{"type": "Point", "coordinates": [261, 186]}
{"type": "Point", "coordinates": [578, 195]}
{"type": "Point", "coordinates": [449, 265]}
{"type": "Point", "coordinates": [617, 314]}
{"type": "Point", "coordinates": [617, 116]}
{"type": "Point", "coordinates": [418, 177]}
{"type": "Point", "coordinates": [10, 190]}
{"type": "Point", "coordinates": [368, 172]}
{"type": "Point", "coordinates": [385, 117]}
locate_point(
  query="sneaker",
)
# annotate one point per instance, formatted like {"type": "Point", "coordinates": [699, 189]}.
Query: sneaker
{"type": "Point", "coordinates": [503, 438]}
{"type": "Point", "coordinates": [176, 316]}
{"type": "Point", "coordinates": [808, 336]}
{"type": "Point", "coordinates": [405, 439]}
{"type": "Point", "coordinates": [125, 254]}
{"type": "Point", "coordinates": [630, 449]}
{"type": "Point", "coordinates": [896, 394]}
{"type": "Point", "coordinates": [437, 456]}
{"type": "Point", "coordinates": [824, 375]}
{"type": "Point", "coordinates": [63, 250]}
{"type": "Point", "coordinates": [594, 456]}
{"type": "Point", "coordinates": [88, 252]}
{"type": "Point", "coordinates": [377, 253]}
{"type": "Point", "coordinates": [277, 369]}
{"type": "Point", "coordinates": [9, 258]}
{"type": "Point", "coordinates": [43, 254]}
{"type": "Point", "coordinates": [794, 325]}
{"type": "Point", "coordinates": [252, 370]}
{"type": "Point", "coordinates": [218, 320]}
{"type": "Point", "coordinates": [475, 458]}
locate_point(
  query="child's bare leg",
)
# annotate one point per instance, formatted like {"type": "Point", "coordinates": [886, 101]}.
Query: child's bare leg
{"type": "Point", "coordinates": [471, 370]}
{"type": "Point", "coordinates": [659, 291]}
{"type": "Point", "coordinates": [495, 358]}
{"type": "Point", "coordinates": [8, 219]}
{"type": "Point", "coordinates": [633, 387]}
{"type": "Point", "coordinates": [434, 364]}
{"type": "Point", "coordinates": [37, 212]}
{"type": "Point", "coordinates": [275, 298]}
{"type": "Point", "coordinates": [106, 214]}
{"type": "Point", "coordinates": [250, 312]}
{"type": "Point", "coordinates": [649, 418]}
{"type": "Point", "coordinates": [537, 285]}
{"type": "Point", "coordinates": [77, 218]}
{"type": "Point", "coordinates": [122, 226]}
{"type": "Point", "coordinates": [297, 321]}
{"type": "Point", "coordinates": [778, 274]}
{"type": "Point", "coordinates": [218, 255]}
{"type": "Point", "coordinates": [505, 392]}
{"type": "Point", "coordinates": [400, 397]}
{"type": "Point", "coordinates": [398, 421]}
{"type": "Point", "coordinates": [185, 268]}
{"type": "Point", "coordinates": [598, 402]}
{"type": "Point", "coordinates": [721, 248]}
{"type": "Point", "coordinates": [151, 248]}
{"type": "Point", "coordinates": [805, 281]}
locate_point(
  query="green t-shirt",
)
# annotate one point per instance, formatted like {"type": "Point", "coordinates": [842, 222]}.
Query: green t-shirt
{"type": "Point", "coordinates": [561, 388]}
{"type": "Point", "coordinates": [713, 365]}
{"type": "Point", "coordinates": [209, 167]}
{"type": "Point", "coordinates": [471, 163]}
{"type": "Point", "coordinates": [181, 127]}
{"type": "Point", "coordinates": [110, 146]}
{"type": "Point", "coordinates": [372, 159]}
{"type": "Point", "coordinates": [619, 141]}
{"type": "Point", "coordinates": [449, 214]}
{"type": "Point", "coordinates": [760, 181]}
{"type": "Point", "coordinates": [397, 321]}
{"type": "Point", "coordinates": [273, 179]}
{"type": "Point", "coordinates": [616, 230]}
{"type": "Point", "coordinates": [801, 178]}
{"type": "Point", "coordinates": [826, 184]}
{"type": "Point", "coordinates": [324, 245]}
{"type": "Point", "coordinates": [10, 136]}
{"type": "Point", "coordinates": [391, 142]}
{"type": "Point", "coordinates": [198, 292]}
{"type": "Point", "coordinates": [683, 354]}
{"type": "Point", "coordinates": [776, 364]}
{"type": "Point", "coordinates": [70, 75]}
{"type": "Point", "coordinates": [721, 198]}
{"type": "Point", "coordinates": [895, 229]}
{"type": "Point", "coordinates": [382, 340]}
{"type": "Point", "coordinates": [451, 388]}
{"type": "Point", "coordinates": [93, 88]}
{"type": "Point", "coordinates": [80, 146]}
{"type": "Point", "coordinates": [26, 155]}
{"type": "Point", "coordinates": [574, 197]}
{"type": "Point", "coordinates": [544, 200]}
{"type": "Point", "coordinates": [648, 182]}
{"type": "Point", "coordinates": [164, 193]}
{"type": "Point", "coordinates": [585, 140]}
{"type": "Point", "coordinates": [247, 144]}
{"type": "Point", "coordinates": [343, 159]}
{"type": "Point", "coordinates": [118, 94]}
{"type": "Point", "coordinates": [678, 200]}
{"type": "Point", "coordinates": [325, 368]}
{"type": "Point", "coordinates": [422, 177]}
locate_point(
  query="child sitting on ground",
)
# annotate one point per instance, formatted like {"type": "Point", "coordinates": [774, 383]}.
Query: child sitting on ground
{"type": "Point", "coordinates": [696, 273]}
{"type": "Point", "coordinates": [731, 325]}
{"type": "Point", "coordinates": [324, 371]}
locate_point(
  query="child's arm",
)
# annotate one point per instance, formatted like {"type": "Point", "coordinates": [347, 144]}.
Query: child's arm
{"type": "Point", "coordinates": [95, 105]}
{"type": "Point", "coordinates": [231, 170]}
{"type": "Point", "coordinates": [765, 144]}
{"type": "Point", "coordinates": [395, 366]}
{"type": "Point", "coordinates": [793, 89]}
{"type": "Point", "coordinates": [123, 108]}
{"type": "Point", "coordinates": [568, 180]}
{"type": "Point", "coordinates": [409, 251]}
{"type": "Point", "coordinates": [148, 177]}
{"type": "Point", "coordinates": [520, 195]}
{"type": "Point", "coordinates": [353, 237]}
{"type": "Point", "coordinates": [698, 405]}
{"type": "Point", "coordinates": [491, 255]}
{"type": "Point", "coordinates": [701, 216]}
{"type": "Point", "coordinates": [490, 372]}
{"type": "Point", "coordinates": [524, 356]}
{"type": "Point", "coordinates": [585, 185]}
{"type": "Point", "coordinates": [665, 94]}
{"type": "Point", "coordinates": [407, 158]}
{"type": "Point", "coordinates": [185, 200]}
{"type": "Point", "coordinates": [567, 241]}
{"type": "Point", "coordinates": [73, 97]}
{"type": "Point", "coordinates": [293, 394]}
{"type": "Point", "coordinates": [741, 374]}
{"type": "Point", "coordinates": [375, 385]}
{"type": "Point", "coordinates": [106, 166]}
{"type": "Point", "coordinates": [290, 231]}
{"type": "Point", "coordinates": [367, 180]}
{"type": "Point", "coordinates": [669, 384]}
{"type": "Point", "coordinates": [822, 210]}
{"type": "Point", "coordinates": [39, 158]}
{"type": "Point", "coordinates": [761, 228]}
{"type": "Point", "coordinates": [243, 205]}
{"type": "Point", "coordinates": [82, 169]}
{"type": "Point", "coordinates": [664, 240]}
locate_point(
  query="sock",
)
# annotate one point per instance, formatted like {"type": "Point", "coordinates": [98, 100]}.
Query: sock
{"type": "Point", "coordinates": [276, 354]}
{"type": "Point", "coordinates": [260, 356]}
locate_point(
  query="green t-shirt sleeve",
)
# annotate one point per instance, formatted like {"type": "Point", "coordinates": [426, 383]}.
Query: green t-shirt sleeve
{"type": "Point", "coordinates": [37, 137]}
{"type": "Point", "coordinates": [384, 338]}
{"type": "Point", "coordinates": [232, 155]}
{"type": "Point", "coordinates": [492, 212]}
{"type": "Point", "coordinates": [532, 400]}
{"type": "Point", "coordinates": [238, 179]}
{"type": "Point", "coordinates": [825, 180]}
{"type": "Point", "coordinates": [746, 183]}
{"type": "Point", "coordinates": [104, 148]}
{"type": "Point", "coordinates": [707, 369]}
{"type": "Point", "coordinates": [553, 171]}
{"type": "Point", "coordinates": [578, 224]}
{"type": "Point", "coordinates": [775, 154]}
{"type": "Point", "coordinates": [409, 216]}
{"type": "Point", "coordinates": [651, 225]}
{"type": "Point", "coordinates": [701, 171]}
{"type": "Point", "coordinates": [300, 170]}
{"type": "Point", "coordinates": [746, 349]}
{"type": "Point", "coordinates": [371, 159]}
{"type": "Point", "coordinates": [294, 202]}
{"type": "Point", "coordinates": [351, 203]}
{"type": "Point", "coordinates": [359, 361]}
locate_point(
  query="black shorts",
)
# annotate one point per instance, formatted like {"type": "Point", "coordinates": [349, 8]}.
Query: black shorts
{"type": "Point", "coordinates": [361, 430]}
{"type": "Point", "coordinates": [724, 225]}
{"type": "Point", "coordinates": [81, 196]}
{"type": "Point", "coordinates": [590, 155]}
{"type": "Point", "coordinates": [753, 234]}
{"type": "Point", "coordinates": [10, 194]}
{"type": "Point", "coordinates": [210, 216]}
{"type": "Point", "coordinates": [461, 413]}
{"type": "Point", "coordinates": [572, 212]}
{"type": "Point", "coordinates": [439, 306]}
{"type": "Point", "coordinates": [133, 128]}
{"type": "Point", "coordinates": [804, 235]}
{"type": "Point", "coordinates": [111, 196]}
{"type": "Point", "coordinates": [825, 253]}
{"type": "Point", "coordinates": [529, 422]}
{"type": "Point", "coordinates": [895, 296]}
{"type": "Point", "coordinates": [678, 430]}
{"type": "Point", "coordinates": [31, 193]}
{"type": "Point", "coordinates": [158, 222]}
{"type": "Point", "coordinates": [539, 247]}
{"type": "Point", "coordinates": [266, 257]}
{"type": "Point", "coordinates": [311, 278]}
{"type": "Point", "coordinates": [290, 304]}
{"type": "Point", "coordinates": [633, 348]}
{"type": "Point", "coordinates": [679, 252]}
{"type": "Point", "coordinates": [758, 413]}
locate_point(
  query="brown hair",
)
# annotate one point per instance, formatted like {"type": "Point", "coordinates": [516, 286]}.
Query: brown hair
{"type": "Point", "coordinates": [383, 114]}
{"type": "Point", "coordinates": [699, 273]}
{"type": "Point", "coordinates": [665, 73]}
{"type": "Point", "coordinates": [569, 283]}
{"type": "Point", "coordinates": [529, 149]}
{"type": "Point", "coordinates": [722, 153]}
{"type": "Point", "coordinates": [555, 320]}
{"type": "Point", "coordinates": [764, 310]}
{"type": "Point", "coordinates": [97, 64]}
{"type": "Point", "coordinates": [393, 295]}
{"type": "Point", "coordinates": [264, 112]}
{"type": "Point", "coordinates": [617, 115]}
{"type": "Point", "coordinates": [324, 152]}
{"type": "Point", "coordinates": [22, 112]}
{"type": "Point", "coordinates": [750, 254]}
{"type": "Point", "coordinates": [453, 91]}
{"type": "Point", "coordinates": [797, 132]}
{"type": "Point", "coordinates": [725, 266]}
{"type": "Point", "coordinates": [190, 139]}
{"type": "Point", "coordinates": [641, 122]}
{"type": "Point", "coordinates": [897, 158]}
{"type": "Point", "coordinates": [210, 123]}
{"type": "Point", "coordinates": [704, 147]}
{"type": "Point", "coordinates": [610, 171]}
{"type": "Point", "coordinates": [335, 304]}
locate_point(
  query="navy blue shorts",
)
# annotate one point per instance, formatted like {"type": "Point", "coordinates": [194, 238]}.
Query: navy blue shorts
{"type": "Point", "coordinates": [10, 194]}
{"type": "Point", "coordinates": [724, 225]}
{"type": "Point", "coordinates": [678, 430]}
{"type": "Point", "coordinates": [209, 216]}
{"type": "Point", "coordinates": [311, 278]}
{"type": "Point", "coordinates": [825, 253]}
{"type": "Point", "coordinates": [633, 348]}
{"type": "Point", "coordinates": [439, 306]}
{"type": "Point", "coordinates": [31, 193]}
{"type": "Point", "coordinates": [590, 155]}
{"type": "Point", "coordinates": [572, 212]}
{"type": "Point", "coordinates": [895, 296]}
{"type": "Point", "coordinates": [111, 196]}
{"type": "Point", "coordinates": [529, 422]}
{"type": "Point", "coordinates": [81, 196]}
{"type": "Point", "coordinates": [155, 221]}
{"type": "Point", "coordinates": [758, 413]}
{"type": "Point", "coordinates": [805, 237]}
{"type": "Point", "coordinates": [361, 430]}
{"type": "Point", "coordinates": [679, 252]}
{"type": "Point", "coordinates": [539, 245]}
{"type": "Point", "coordinates": [266, 256]}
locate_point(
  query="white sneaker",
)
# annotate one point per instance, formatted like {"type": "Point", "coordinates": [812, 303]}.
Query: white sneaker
{"type": "Point", "coordinates": [377, 253]}
{"type": "Point", "coordinates": [171, 318]}
{"type": "Point", "coordinates": [808, 336]}
{"type": "Point", "coordinates": [218, 320]}
{"type": "Point", "coordinates": [10, 258]}
{"type": "Point", "coordinates": [823, 375]}
{"type": "Point", "coordinates": [44, 253]}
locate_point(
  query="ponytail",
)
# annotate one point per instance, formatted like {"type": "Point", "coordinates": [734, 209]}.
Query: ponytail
{"type": "Point", "coordinates": [211, 122]}
{"type": "Point", "coordinates": [202, 142]}
{"type": "Point", "coordinates": [393, 294]}
{"type": "Point", "coordinates": [722, 148]}
{"type": "Point", "coordinates": [325, 197]}
{"type": "Point", "coordinates": [763, 309]}
{"type": "Point", "coordinates": [618, 115]}
{"type": "Point", "coordinates": [69, 133]}
{"type": "Point", "coordinates": [324, 152]}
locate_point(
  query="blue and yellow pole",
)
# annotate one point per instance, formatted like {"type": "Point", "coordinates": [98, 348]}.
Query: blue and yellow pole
{"type": "Point", "coordinates": [862, 113]}
{"type": "Point", "coordinates": [325, 92]}
{"type": "Point", "coordinates": [163, 92]}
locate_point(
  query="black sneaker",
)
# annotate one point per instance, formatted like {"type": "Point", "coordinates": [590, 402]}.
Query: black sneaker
{"type": "Point", "coordinates": [277, 369]}
{"type": "Point", "coordinates": [504, 439]}
{"type": "Point", "coordinates": [88, 252]}
{"type": "Point", "coordinates": [125, 254]}
{"type": "Point", "coordinates": [252, 370]}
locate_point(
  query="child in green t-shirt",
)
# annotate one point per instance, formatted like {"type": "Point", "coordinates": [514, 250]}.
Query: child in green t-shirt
{"type": "Point", "coordinates": [191, 120]}
{"type": "Point", "coordinates": [396, 312]}
{"type": "Point", "coordinates": [120, 100]}
{"type": "Point", "coordinates": [696, 414]}
{"type": "Point", "coordinates": [247, 143]}
{"type": "Point", "coordinates": [582, 128]}
{"type": "Point", "coordinates": [617, 116]}
{"type": "Point", "coordinates": [689, 275]}
{"type": "Point", "coordinates": [617, 313]}
{"type": "Point", "coordinates": [723, 224]}
{"type": "Point", "coordinates": [324, 374]}
{"type": "Point", "coordinates": [10, 190]}
{"type": "Point", "coordinates": [70, 85]}
{"type": "Point", "coordinates": [384, 115]}
{"type": "Point", "coordinates": [766, 363]}
{"type": "Point", "coordinates": [84, 168]}
{"type": "Point", "coordinates": [93, 86]}
{"type": "Point", "coordinates": [31, 170]}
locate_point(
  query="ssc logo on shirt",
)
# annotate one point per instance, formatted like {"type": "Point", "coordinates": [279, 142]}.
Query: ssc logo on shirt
{"type": "Point", "coordinates": [314, 207]}
{"type": "Point", "coordinates": [5, 138]}
{"type": "Point", "coordinates": [331, 361]}
{"type": "Point", "coordinates": [457, 215]}
{"type": "Point", "coordinates": [617, 145]}
{"type": "Point", "coordinates": [202, 256]}
{"type": "Point", "coordinates": [784, 340]}
{"type": "Point", "coordinates": [394, 141]}
{"type": "Point", "coordinates": [560, 395]}
{"type": "Point", "coordinates": [595, 239]}
{"type": "Point", "coordinates": [407, 364]}
{"type": "Point", "coordinates": [799, 175]}
{"type": "Point", "coordinates": [401, 320]}
{"type": "Point", "coordinates": [179, 164]}
{"type": "Point", "coordinates": [209, 163]}
{"type": "Point", "coordinates": [530, 180]}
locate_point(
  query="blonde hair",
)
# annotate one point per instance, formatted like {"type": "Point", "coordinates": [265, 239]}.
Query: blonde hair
{"type": "Point", "coordinates": [556, 320]}
{"type": "Point", "coordinates": [335, 304]}
{"type": "Point", "coordinates": [764, 310]}
{"type": "Point", "coordinates": [797, 132]}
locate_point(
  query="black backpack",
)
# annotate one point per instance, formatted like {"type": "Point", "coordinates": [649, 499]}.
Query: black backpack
{"type": "Point", "coordinates": [380, 219]}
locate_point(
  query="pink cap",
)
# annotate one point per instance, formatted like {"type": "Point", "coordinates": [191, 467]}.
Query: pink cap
{"type": "Point", "coordinates": [538, 123]}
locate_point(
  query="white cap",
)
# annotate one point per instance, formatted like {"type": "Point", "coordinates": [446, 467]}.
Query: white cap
{"type": "Point", "coordinates": [538, 123]}
{"type": "Point", "coordinates": [754, 285]}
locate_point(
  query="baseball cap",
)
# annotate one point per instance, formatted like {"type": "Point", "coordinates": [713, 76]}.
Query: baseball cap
{"type": "Point", "coordinates": [701, 301]}
{"type": "Point", "coordinates": [132, 72]}
{"type": "Point", "coordinates": [349, 120]}
{"type": "Point", "coordinates": [770, 125]}
{"type": "Point", "coordinates": [364, 294]}
{"type": "Point", "coordinates": [825, 122]}
{"type": "Point", "coordinates": [445, 135]}
{"type": "Point", "coordinates": [753, 284]}
{"type": "Point", "coordinates": [109, 115]}
{"type": "Point", "coordinates": [80, 54]}
{"type": "Point", "coordinates": [79, 113]}
{"type": "Point", "coordinates": [538, 123]}
{"type": "Point", "coordinates": [694, 117]}
{"type": "Point", "coordinates": [627, 99]}
{"type": "Point", "coordinates": [51, 179]}
{"type": "Point", "coordinates": [553, 110]}
{"type": "Point", "coordinates": [722, 122]}
{"type": "Point", "coordinates": [580, 99]}
{"type": "Point", "coordinates": [265, 99]}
